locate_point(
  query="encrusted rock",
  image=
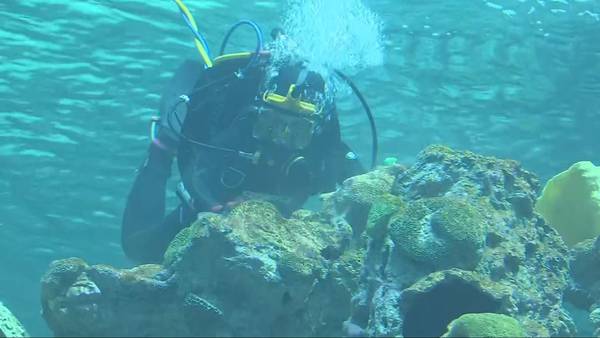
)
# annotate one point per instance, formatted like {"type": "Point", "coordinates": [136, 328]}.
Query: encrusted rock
{"type": "Point", "coordinates": [440, 232]}
{"type": "Point", "coordinates": [584, 262]}
{"type": "Point", "coordinates": [584, 291]}
{"type": "Point", "coordinates": [274, 272]}
{"type": "Point", "coordinates": [83, 300]}
{"type": "Point", "coordinates": [352, 202]}
{"type": "Point", "coordinates": [485, 325]}
{"type": "Point", "coordinates": [382, 208]}
{"type": "Point", "coordinates": [461, 210]}
{"type": "Point", "coordinates": [429, 305]}
{"type": "Point", "coordinates": [10, 326]}
{"type": "Point", "coordinates": [387, 253]}
{"type": "Point", "coordinates": [252, 272]}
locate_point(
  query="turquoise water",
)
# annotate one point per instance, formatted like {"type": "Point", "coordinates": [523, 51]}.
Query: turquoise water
{"type": "Point", "coordinates": [79, 81]}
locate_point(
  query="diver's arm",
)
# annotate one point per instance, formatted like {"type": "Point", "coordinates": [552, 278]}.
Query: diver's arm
{"type": "Point", "coordinates": [145, 232]}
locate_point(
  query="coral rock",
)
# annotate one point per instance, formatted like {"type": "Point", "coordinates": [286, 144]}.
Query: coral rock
{"type": "Point", "coordinates": [484, 325]}
{"type": "Point", "coordinates": [461, 210]}
{"type": "Point", "coordinates": [393, 252]}
{"type": "Point", "coordinates": [252, 272]}
{"type": "Point", "coordinates": [10, 326]}
{"type": "Point", "coordinates": [442, 232]}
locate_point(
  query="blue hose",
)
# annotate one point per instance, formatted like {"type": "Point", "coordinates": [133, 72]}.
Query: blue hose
{"type": "Point", "coordinates": [197, 34]}
{"type": "Point", "coordinates": [259, 38]}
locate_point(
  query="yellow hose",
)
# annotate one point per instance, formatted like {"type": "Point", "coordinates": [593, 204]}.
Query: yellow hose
{"type": "Point", "coordinates": [199, 45]}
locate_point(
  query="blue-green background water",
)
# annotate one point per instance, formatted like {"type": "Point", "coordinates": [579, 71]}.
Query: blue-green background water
{"type": "Point", "coordinates": [80, 79]}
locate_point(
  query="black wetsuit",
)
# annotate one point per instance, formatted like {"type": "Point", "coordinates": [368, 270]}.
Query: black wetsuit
{"type": "Point", "coordinates": [146, 232]}
{"type": "Point", "coordinates": [216, 177]}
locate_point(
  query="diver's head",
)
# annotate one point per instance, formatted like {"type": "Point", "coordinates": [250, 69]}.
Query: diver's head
{"type": "Point", "coordinates": [292, 107]}
{"type": "Point", "coordinates": [285, 103]}
{"type": "Point", "coordinates": [294, 80]}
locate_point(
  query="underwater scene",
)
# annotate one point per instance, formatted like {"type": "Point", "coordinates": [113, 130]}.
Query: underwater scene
{"type": "Point", "coordinates": [351, 168]}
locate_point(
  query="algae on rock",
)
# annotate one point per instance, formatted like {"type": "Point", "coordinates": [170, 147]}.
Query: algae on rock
{"type": "Point", "coordinates": [459, 210]}
{"type": "Point", "coordinates": [251, 272]}
{"type": "Point", "coordinates": [387, 249]}
{"type": "Point", "coordinates": [442, 232]}
{"type": "Point", "coordinates": [382, 208]}
{"type": "Point", "coordinates": [485, 325]}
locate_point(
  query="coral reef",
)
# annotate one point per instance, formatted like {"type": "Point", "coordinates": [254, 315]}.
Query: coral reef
{"type": "Point", "coordinates": [440, 232]}
{"type": "Point", "coordinates": [10, 326]}
{"type": "Point", "coordinates": [457, 210]}
{"type": "Point", "coordinates": [484, 325]}
{"type": "Point", "coordinates": [570, 202]}
{"type": "Point", "coordinates": [251, 272]}
{"type": "Point", "coordinates": [83, 300]}
{"type": "Point", "coordinates": [393, 252]}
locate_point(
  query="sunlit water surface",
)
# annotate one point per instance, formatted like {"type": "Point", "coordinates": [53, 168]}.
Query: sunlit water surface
{"type": "Point", "coordinates": [79, 81]}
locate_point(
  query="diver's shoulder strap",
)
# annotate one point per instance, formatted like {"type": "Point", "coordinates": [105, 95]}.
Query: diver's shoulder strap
{"type": "Point", "coordinates": [182, 82]}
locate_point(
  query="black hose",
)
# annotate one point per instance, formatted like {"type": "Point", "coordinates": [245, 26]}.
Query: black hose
{"type": "Point", "coordinates": [375, 142]}
{"type": "Point", "coordinates": [189, 139]}
{"type": "Point", "coordinates": [201, 144]}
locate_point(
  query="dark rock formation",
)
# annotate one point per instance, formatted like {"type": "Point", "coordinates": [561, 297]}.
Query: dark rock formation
{"type": "Point", "coordinates": [584, 290]}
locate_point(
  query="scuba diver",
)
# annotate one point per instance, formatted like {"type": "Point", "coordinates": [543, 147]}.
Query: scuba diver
{"type": "Point", "coordinates": [239, 127]}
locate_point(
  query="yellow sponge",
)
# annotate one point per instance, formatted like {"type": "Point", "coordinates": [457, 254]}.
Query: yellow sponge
{"type": "Point", "coordinates": [570, 203]}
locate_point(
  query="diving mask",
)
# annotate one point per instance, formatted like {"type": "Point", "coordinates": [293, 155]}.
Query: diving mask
{"type": "Point", "coordinates": [284, 128]}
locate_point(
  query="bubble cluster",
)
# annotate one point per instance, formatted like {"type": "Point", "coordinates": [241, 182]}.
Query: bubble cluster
{"type": "Point", "coordinates": [330, 35]}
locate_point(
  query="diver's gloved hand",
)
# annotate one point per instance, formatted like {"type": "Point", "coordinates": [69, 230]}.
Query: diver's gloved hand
{"type": "Point", "coordinates": [227, 207]}
{"type": "Point", "coordinates": [166, 130]}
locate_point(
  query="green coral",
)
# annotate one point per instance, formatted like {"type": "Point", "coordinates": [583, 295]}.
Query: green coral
{"type": "Point", "coordinates": [350, 265]}
{"type": "Point", "coordinates": [444, 232]}
{"type": "Point", "coordinates": [185, 237]}
{"type": "Point", "coordinates": [299, 241]}
{"type": "Point", "coordinates": [60, 275]}
{"type": "Point", "coordinates": [379, 214]}
{"type": "Point", "coordinates": [352, 261]}
{"type": "Point", "coordinates": [293, 263]}
{"type": "Point", "coordinates": [259, 228]}
{"type": "Point", "coordinates": [405, 228]}
{"type": "Point", "coordinates": [366, 188]}
{"type": "Point", "coordinates": [140, 274]}
{"type": "Point", "coordinates": [484, 325]}
{"type": "Point", "coordinates": [256, 222]}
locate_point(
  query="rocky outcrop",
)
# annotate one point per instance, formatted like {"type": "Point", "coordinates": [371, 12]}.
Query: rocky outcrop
{"type": "Point", "coordinates": [249, 273]}
{"type": "Point", "coordinates": [10, 326]}
{"type": "Point", "coordinates": [584, 289]}
{"type": "Point", "coordinates": [454, 210]}
{"type": "Point", "coordinates": [393, 252]}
